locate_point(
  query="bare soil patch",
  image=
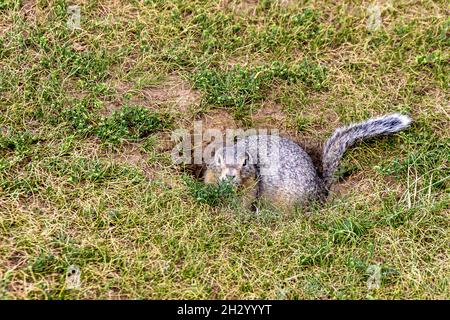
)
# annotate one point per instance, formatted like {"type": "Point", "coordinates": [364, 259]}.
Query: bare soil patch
{"type": "Point", "coordinates": [174, 92]}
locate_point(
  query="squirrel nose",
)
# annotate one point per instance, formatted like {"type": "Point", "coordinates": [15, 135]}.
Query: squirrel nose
{"type": "Point", "coordinates": [230, 176]}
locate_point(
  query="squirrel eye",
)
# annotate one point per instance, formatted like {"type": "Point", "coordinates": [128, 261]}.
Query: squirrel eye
{"type": "Point", "coordinates": [245, 162]}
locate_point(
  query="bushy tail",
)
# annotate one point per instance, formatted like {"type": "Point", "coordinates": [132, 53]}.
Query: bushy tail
{"type": "Point", "coordinates": [345, 137]}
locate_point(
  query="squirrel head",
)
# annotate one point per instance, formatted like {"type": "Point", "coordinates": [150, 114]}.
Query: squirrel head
{"type": "Point", "coordinates": [234, 165]}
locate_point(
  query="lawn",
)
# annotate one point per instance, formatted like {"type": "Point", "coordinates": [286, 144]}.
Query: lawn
{"type": "Point", "coordinates": [87, 181]}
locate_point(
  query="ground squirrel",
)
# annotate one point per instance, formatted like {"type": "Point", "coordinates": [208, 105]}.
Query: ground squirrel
{"type": "Point", "coordinates": [278, 170]}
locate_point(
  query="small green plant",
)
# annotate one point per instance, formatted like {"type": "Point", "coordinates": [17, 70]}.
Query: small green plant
{"type": "Point", "coordinates": [312, 74]}
{"type": "Point", "coordinates": [210, 194]}
{"type": "Point", "coordinates": [434, 58]}
{"type": "Point", "coordinates": [233, 88]}
{"type": "Point", "coordinates": [347, 230]}
{"type": "Point", "coordinates": [79, 118]}
{"type": "Point", "coordinates": [131, 123]}
{"type": "Point", "coordinates": [239, 87]}
{"type": "Point", "coordinates": [306, 24]}
{"type": "Point", "coordinates": [9, 4]}
{"type": "Point", "coordinates": [45, 263]}
{"type": "Point", "coordinates": [316, 256]}
{"type": "Point", "coordinates": [302, 123]}
{"type": "Point", "coordinates": [18, 141]}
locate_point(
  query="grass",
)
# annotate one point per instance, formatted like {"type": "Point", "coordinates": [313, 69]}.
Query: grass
{"type": "Point", "coordinates": [240, 88]}
{"type": "Point", "coordinates": [85, 173]}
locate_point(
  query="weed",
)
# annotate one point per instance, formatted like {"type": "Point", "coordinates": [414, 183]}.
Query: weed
{"type": "Point", "coordinates": [131, 123]}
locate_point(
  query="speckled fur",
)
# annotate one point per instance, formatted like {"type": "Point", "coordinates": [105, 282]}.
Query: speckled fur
{"type": "Point", "coordinates": [282, 172]}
